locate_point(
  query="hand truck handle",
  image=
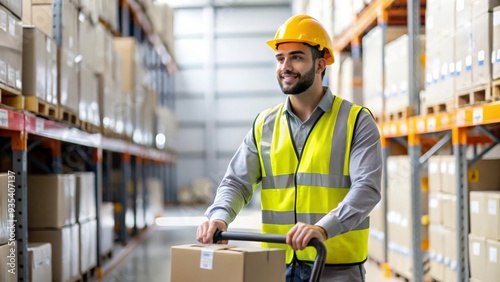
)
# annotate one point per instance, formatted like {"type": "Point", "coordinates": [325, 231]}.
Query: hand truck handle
{"type": "Point", "coordinates": [319, 262]}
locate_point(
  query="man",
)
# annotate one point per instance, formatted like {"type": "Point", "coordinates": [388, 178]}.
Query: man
{"type": "Point", "coordinates": [317, 157]}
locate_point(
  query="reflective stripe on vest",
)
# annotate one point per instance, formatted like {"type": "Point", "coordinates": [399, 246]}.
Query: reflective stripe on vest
{"type": "Point", "coordinates": [306, 189]}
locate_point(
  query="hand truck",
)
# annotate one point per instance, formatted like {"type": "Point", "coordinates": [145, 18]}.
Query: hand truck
{"type": "Point", "coordinates": [319, 262]}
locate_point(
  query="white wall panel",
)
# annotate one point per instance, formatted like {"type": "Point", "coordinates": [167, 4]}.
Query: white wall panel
{"type": "Point", "coordinates": [191, 51]}
{"type": "Point", "coordinates": [191, 140]}
{"type": "Point", "coordinates": [245, 109]}
{"type": "Point", "coordinates": [191, 80]}
{"type": "Point", "coordinates": [188, 22]}
{"type": "Point", "coordinates": [189, 169]}
{"type": "Point", "coordinates": [189, 110]}
{"type": "Point", "coordinates": [230, 138]}
{"type": "Point", "coordinates": [250, 20]}
{"type": "Point", "coordinates": [246, 79]}
{"type": "Point", "coordinates": [243, 50]}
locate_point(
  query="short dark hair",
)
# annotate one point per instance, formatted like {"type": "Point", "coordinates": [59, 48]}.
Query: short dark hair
{"type": "Point", "coordinates": [317, 54]}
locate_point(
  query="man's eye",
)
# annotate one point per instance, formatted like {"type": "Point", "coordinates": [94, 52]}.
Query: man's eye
{"type": "Point", "coordinates": [296, 57]}
{"type": "Point", "coordinates": [280, 59]}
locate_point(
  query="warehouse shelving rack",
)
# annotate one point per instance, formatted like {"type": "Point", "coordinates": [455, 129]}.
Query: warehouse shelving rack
{"type": "Point", "coordinates": [23, 133]}
{"type": "Point", "coordinates": [423, 136]}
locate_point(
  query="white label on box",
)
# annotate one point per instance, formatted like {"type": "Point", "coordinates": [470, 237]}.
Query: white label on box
{"type": "Point", "coordinates": [480, 57]}
{"type": "Point", "coordinates": [477, 115]}
{"type": "Point", "coordinates": [206, 259]}
{"type": "Point", "coordinates": [3, 20]}
{"type": "Point", "coordinates": [431, 124]}
{"type": "Point", "coordinates": [433, 203]}
{"type": "Point", "coordinates": [460, 5]}
{"type": "Point", "coordinates": [420, 125]}
{"type": "Point", "coordinates": [496, 18]}
{"type": "Point", "coordinates": [49, 46]}
{"type": "Point", "coordinates": [403, 128]}
{"type": "Point", "coordinates": [468, 62]}
{"type": "Point", "coordinates": [474, 206]}
{"type": "Point", "coordinates": [476, 249]}
{"type": "Point", "coordinates": [393, 130]}
{"type": "Point", "coordinates": [433, 168]}
{"type": "Point", "coordinates": [451, 168]}
{"type": "Point", "coordinates": [392, 167]}
{"type": "Point", "coordinates": [492, 207]}
{"type": "Point", "coordinates": [40, 125]}
{"type": "Point", "coordinates": [493, 254]}
{"type": "Point", "coordinates": [4, 118]}
{"type": "Point", "coordinates": [12, 26]}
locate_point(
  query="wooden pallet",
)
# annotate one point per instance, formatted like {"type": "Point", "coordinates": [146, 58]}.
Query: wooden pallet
{"type": "Point", "coordinates": [11, 97]}
{"type": "Point", "coordinates": [495, 90]}
{"type": "Point", "coordinates": [68, 116]}
{"type": "Point", "coordinates": [474, 96]}
{"type": "Point", "coordinates": [399, 115]}
{"type": "Point", "coordinates": [40, 107]}
{"type": "Point", "coordinates": [440, 107]}
{"type": "Point", "coordinates": [89, 127]}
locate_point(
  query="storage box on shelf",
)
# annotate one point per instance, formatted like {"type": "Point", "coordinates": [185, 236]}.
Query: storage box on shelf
{"type": "Point", "coordinates": [495, 55]}
{"type": "Point", "coordinates": [39, 73]}
{"type": "Point", "coordinates": [15, 6]}
{"type": "Point", "coordinates": [373, 65]}
{"type": "Point", "coordinates": [40, 262]}
{"type": "Point", "coordinates": [68, 87]}
{"type": "Point", "coordinates": [11, 50]}
{"type": "Point", "coordinates": [8, 270]}
{"type": "Point", "coordinates": [106, 229]}
{"type": "Point", "coordinates": [396, 97]}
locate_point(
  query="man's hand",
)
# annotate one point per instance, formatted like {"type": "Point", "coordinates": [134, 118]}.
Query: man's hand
{"type": "Point", "coordinates": [206, 231]}
{"type": "Point", "coordinates": [299, 236]}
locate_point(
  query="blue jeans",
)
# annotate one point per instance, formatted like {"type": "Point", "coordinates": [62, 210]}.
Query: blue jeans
{"type": "Point", "coordinates": [301, 272]}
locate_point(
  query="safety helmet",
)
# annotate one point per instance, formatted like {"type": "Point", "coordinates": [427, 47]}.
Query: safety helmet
{"type": "Point", "coordinates": [304, 29]}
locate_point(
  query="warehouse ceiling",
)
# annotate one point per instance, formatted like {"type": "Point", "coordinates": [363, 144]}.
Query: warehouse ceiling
{"type": "Point", "coordinates": [223, 3]}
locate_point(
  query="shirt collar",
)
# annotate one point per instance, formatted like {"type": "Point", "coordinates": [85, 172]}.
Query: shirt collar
{"type": "Point", "coordinates": [325, 103]}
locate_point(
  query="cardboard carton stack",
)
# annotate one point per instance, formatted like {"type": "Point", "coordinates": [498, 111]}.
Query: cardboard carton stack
{"type": "Point", "coordinates": [85, 212]}
{"type": "Point", "coordinates": [483, 175]}
{"type": "Point", "coordinates": [52, 218]}
{"type": "Point", "coordinates": [11, 48]}
{"type": "Point", "coordinates": [399, 216]}
{"type": "Point", "coordinates": [495, 53]}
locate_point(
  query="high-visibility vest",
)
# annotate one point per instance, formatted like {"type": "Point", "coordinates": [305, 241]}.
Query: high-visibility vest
{"type": "Point", "coordinates": [305, 189]}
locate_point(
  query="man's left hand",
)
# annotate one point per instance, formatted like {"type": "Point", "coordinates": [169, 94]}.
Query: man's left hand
{"type": "Point", "coordinates": [299, 236]}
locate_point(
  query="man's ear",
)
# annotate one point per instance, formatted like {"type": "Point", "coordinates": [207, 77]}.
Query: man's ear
{"type": "Point", "coordinates": [321, 65]}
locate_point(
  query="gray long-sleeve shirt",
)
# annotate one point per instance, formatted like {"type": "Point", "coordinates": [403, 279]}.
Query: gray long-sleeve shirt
{"type": "Point", "coordinates": [236, 188]}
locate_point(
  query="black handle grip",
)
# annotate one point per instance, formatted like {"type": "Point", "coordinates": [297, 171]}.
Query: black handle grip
{"type": "Point", "coordinates": [319, 262]}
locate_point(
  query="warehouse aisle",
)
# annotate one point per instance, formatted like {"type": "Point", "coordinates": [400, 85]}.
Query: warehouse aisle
{"type": "Point", "coordinates": [150, 262]}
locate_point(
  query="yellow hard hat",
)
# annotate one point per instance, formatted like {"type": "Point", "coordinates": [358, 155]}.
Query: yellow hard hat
{"type": "Point", "coordinates": [305, 29]}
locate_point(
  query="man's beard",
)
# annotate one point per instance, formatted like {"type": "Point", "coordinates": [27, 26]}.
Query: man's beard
{"type": "Point", "coordinates": [305, 81]}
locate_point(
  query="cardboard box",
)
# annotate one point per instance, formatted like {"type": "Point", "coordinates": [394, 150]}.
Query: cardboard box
{"type": "Point", "coordinates": [85, 196]}
{"type": "Point", "coordinates": [51, 201]}
{"type": "Point", "coordinates": [107, 228]}
{"type": "Point", "coordinates": [463, 12]}
{"type": "Point", "coordinates": [11, 46]}
{"type": "Point", "coordinates": [88, 246]}
{"type": "Point", "coordinates": [436, 208]}
{"type": "Point", "coordinates": [477, 257]}
{"type": "Point", "coordinates": [434, 174]}
{"type": "Point", "coordinates": [8, 265]}
{"type": "Point", "coordinates": [495, 53]}
{"type": "Point", "coordinates": [4, 211]}
{"type": "Point", "coordinates": [480, 7]}
{"type": "Point", "coordinates": [463, 56]}
{"type": "Point", "coordinates": [88, 96]}
{"type": "Point", "coordinates": [482, 175]}
{"type": "Point", "coordinates": [449, 208]}
{"type": "Point", "coordinates": [52, 72]}
{"type": "Point", "coordinates": [128, 48]}
{"type": "Point", "coordinates": [68, 80]}
{"type": "Point", "coordinates": [226, 264]}
{"type": "Point", "coordinates": [15, 6]}
{"type": "Point", "coordinates": [63, 254]}
{"type": "Point", "coordinates": [484, 214]}
{"type": "Point", "coordinates": [450, 248]}
{"type": "Point", "coordinates": [40, 262]}
{"type": "Point", "coordinates": [35, 59]}
{"type": "Point", "coordinates": [436, 250]}
{"type": "Point", "coordinates": [492, 260]}
{"type": "Point", "coordinates": [482, 34]}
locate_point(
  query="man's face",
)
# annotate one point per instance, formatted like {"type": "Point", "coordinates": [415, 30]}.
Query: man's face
{"type": "Point", "coordinates": [295, 69]}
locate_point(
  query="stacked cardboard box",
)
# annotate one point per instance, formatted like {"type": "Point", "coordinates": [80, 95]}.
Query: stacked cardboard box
{"type": "Point", "coordinates": [52, 218]}
{"type": "Point", "coordinates": [40, 262]}
{"type": "Point", "coordinates": [373, 66]}
{"type": "Point", "coordinates": [106, 228]}
{"type": "Point", "coordinates": [484, 240]}
{"type": "Point", "coordinates": [15, 6]}
{"type": "Point", "coordinates": [39, 65]}
{"type": "Point", "coordinates": [443, 207]}
{"type": "Point", "coordinates": [495, 53]}
{"type": "Point", "coordinates": [399, 216]}
{"type": "Point", "coordinates": [85, 212]}
{"type": "Point", "coordinates": [11, 49]}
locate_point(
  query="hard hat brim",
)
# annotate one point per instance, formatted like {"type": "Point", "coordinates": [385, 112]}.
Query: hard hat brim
{"type": "Point", "coordinates": [274, 45]}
